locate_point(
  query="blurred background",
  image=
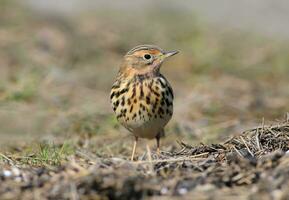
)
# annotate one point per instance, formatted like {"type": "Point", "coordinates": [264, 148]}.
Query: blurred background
{"type": "Point", "coordinates": [58, 60]}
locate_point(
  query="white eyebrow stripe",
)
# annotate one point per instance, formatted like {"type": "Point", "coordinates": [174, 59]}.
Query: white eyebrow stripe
{"type": "Point", "coordinates": [143, 47]}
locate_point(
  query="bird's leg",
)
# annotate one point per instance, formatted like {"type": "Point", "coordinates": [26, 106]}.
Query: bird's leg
{"type": "Point", "coordinates": [158, 138]}
{"type": "Point", "coordinates": [158, 145]}
{"type": "Point", "coordinates": [134, 147]}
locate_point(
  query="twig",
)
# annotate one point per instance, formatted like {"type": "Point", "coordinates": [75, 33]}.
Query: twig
{"type": "Point", "coordinates": [150, 158]}
{"type": "Point", "coordinates": [247, 146]}
{"type": "Point", "coordinates": [194, 157]}
{"type": "Point", "coordinates": [5, 157]}
{"type": "Point", "coordinates": [258, 141]}
{"type": "Point", "coordinates": [237, 151]}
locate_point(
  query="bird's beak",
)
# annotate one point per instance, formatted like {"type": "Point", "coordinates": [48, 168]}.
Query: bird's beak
{"type": "Point", "coordinates": [170, 53]}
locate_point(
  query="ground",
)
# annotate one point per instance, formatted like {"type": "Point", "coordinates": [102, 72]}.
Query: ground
{"type": "Point", "coordinates": [60, 139]}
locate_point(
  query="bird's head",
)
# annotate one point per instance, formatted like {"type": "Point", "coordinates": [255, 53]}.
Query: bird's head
{"type": "Point", "coordinates": [144, 59]}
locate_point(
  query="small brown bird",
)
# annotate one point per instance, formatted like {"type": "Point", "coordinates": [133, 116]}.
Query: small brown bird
{"type": "Point", "coordinates": [141, 96]}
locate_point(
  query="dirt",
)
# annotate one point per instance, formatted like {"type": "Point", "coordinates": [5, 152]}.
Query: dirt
{"type": "Point", "coordinates": [253, 165]}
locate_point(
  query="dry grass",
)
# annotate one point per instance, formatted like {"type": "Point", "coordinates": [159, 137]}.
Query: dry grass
{"type": "Point", "coordinates": [253, 163]}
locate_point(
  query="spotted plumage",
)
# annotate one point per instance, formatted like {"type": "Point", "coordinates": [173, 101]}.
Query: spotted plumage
{"type": "Point", "coordinates": [139, 118]}
{"type": "Point", "coordinates": [141, 97]}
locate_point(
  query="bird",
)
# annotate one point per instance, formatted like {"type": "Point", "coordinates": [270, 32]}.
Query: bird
{"type": "Point", "coordinates": [141, 97]}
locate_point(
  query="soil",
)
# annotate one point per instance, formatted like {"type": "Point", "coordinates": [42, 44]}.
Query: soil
{"type": "Point", "coordinates": [253, 165]}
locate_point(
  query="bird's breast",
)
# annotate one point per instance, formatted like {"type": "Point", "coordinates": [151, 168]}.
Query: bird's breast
{"type": "Point", "coordinates": [143, 104]}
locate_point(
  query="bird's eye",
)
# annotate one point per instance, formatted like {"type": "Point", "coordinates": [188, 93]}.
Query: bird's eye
{"type": "Point", "coordinates": [147, 56]}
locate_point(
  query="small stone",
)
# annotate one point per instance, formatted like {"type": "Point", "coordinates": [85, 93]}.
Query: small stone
{"type": "Point", "coordinates": [16, 171]}
{"type": "Point", "coordinates": [7, 173]}
{"type": "Point", "coordinates": [164, 190]}
{"type": "Point", "coordinates": [183, 191]}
